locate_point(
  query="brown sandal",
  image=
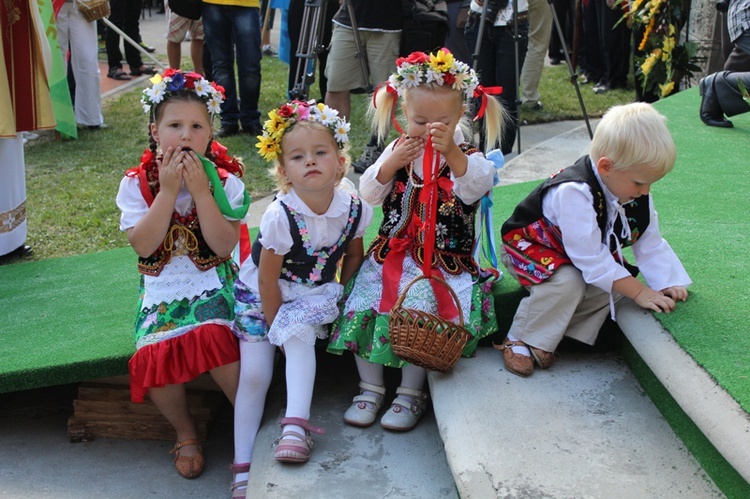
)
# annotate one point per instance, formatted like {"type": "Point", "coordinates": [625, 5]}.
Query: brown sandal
{"type": "Point", "coordinates": [188, 467]}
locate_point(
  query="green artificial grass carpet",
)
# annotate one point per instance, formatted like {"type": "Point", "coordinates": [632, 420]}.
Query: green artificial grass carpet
{"type": "Point", "coordinates": [67, 319]}
{"type": "Point", "coordinates": [704, 213]}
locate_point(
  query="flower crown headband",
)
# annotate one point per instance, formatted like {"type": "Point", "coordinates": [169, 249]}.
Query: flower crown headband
{"type": "Point", "coordinates": [443, 69]}
{"type": "Point", "coordinates": [174, 80]}
{"type": "Point", "coordinates": [269, 144]}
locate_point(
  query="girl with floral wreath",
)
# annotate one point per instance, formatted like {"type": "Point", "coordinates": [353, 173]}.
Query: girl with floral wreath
{"type": "Point", "coordinates": [181, 212]}
{"type": "Point", "coordinates": [431, 171]}
{"type": "Point", "coordinates": [287, 292]}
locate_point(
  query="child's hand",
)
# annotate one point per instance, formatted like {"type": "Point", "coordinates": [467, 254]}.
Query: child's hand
{"type": "Point", "coordinates": [409, 149]}
{"type": "Point", "coordinates": [655, 300]}
{"type": "Point", "coordinates": [170, 171]}
{"type": "Point", "coordinates": [442, 138]}
{"type": "Point", "coordinates": [196, 180]}
{"type": "Point", "coordinates": [677, 293]}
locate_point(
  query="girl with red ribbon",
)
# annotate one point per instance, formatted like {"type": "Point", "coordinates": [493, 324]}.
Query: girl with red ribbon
{"type": "Point", "coordinates": [429, 181]}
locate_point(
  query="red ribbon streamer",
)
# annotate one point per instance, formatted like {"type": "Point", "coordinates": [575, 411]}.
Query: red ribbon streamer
{"type": "Point", "coordinates": [483, 92]}
{"type": "Point", "coordinates": [429, 197]}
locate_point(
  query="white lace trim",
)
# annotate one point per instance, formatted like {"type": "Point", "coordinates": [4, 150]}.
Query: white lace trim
{"type": "Point", "coordinates": [304, 311]}
{"type": "Point", "coordinates": [179, 279]}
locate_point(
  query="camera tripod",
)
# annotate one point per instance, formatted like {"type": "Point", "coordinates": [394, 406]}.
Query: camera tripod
{"type": "Point", "coordinates": [311, 45]}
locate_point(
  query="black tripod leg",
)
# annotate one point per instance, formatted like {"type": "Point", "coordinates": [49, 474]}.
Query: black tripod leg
{"type": "Point", "coordinates": [573, 74]}
{"type": "Point", "coordinates": [308, 48]}
{"type": "Point", "coordinates": [361, 54]}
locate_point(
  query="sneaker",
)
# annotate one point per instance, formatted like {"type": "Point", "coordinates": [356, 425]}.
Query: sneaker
{"type": "Point", "coordinates": [148, 48]}
{"type": "Point", "coordinates": [227, 131]}
{"type": "Point", "coordinates": [369, 156]}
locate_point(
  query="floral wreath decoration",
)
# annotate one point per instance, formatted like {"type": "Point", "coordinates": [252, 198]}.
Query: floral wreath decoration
{"type": "Point", "coordinates": [174, 80]}
{"type": "Point", "coordinates": [269, 144]}
{"type": "Point", "coordinates": [443, 69]}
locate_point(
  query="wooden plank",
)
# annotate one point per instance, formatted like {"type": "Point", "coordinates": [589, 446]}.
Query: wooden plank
{"type": "Point", "coordinates": [85, 430]}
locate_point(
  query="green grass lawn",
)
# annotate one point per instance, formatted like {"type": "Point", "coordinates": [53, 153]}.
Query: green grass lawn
{"type": "Point", "coordinates": [71, 184]}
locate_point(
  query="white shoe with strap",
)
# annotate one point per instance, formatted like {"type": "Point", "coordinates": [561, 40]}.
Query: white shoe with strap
{"type": "Point", "coordinates": [405, 411]}
{"type": "Point", "coordinates": [365, 407]}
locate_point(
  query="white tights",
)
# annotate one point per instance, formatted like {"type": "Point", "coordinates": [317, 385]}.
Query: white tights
{"type": "Point", "coordinates": [411, 376]}
{"type": "Point", "coordinates": [256, 371]}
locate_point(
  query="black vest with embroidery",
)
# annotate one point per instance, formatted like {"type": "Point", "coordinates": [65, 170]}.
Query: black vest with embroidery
{"type": "Point", "coordinates": [305, 265]}
{"type": "Point", "coordinates": [454, 241]}
{"type": "Point", "coordinates": [529, 210]}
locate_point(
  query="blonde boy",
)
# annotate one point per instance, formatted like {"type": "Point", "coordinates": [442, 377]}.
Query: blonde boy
{"type": "Point", "coordinates": [564, 241]}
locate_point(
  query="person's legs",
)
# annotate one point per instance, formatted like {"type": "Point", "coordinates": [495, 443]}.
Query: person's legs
{"type": "Point", "coordinates": [174, 54]}
{"type": "Point", "coordinates": [505, 75]}
{"type": "Point", "coordinates": [84, 59]}
{"type": "Point", "coordinates": [540, 29]}
{"type": "Point", "coordinates": [455, 41]}
{"type": "Point", "coordinates": [216, 18]}
{"type": "Point", "coordinates": [246, 29]}
{"type": "Point", "coordinates": [343, 71]}
{"type": "Point", "coordinates": [227, 377]}
{"type": "Point", "coordinates": [171, 401]}
{"type": "Point", "coordinates": [256, 372]}
{"type": "Point", "coordinates": [117, 17]}
{"type": "Point", "coordinates": [131, 28]}
{"type": "Point", "coordinates": [196, 45]}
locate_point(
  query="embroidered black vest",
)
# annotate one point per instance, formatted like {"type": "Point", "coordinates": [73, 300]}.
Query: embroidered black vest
{"type": "Point", "coordinates": [455, 223]}
{"type": "Point", "coordinates": [530, 209]}
{"type": "Point", "coordinates": [195, 246]}
{"type": "Point", "coordinates": [305, 265]}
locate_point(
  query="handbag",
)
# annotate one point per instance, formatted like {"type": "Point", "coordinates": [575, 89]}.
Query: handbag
{"type": "Point", "coordinates": [93, 10]}
{"type": "Point", "coordinates": [190, 9]}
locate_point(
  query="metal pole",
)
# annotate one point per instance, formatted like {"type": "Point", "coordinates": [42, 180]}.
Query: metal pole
{"type": "Point", "coordinates": [361, 55]}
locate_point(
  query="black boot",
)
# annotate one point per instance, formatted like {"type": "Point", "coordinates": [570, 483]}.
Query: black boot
{"type": "Point", "coordinates": [711, 113]}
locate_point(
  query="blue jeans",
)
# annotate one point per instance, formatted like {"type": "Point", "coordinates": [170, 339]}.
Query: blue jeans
{"type": "Point", "coordinates": [231, 30]}
{"type": "Point", "coordinates": [496, 66]}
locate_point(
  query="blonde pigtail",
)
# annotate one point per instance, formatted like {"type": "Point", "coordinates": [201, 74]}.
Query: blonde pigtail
{"type": "Point", "coordinates": [495, 120]}
{"type": "Point", "coordinates": [381, 111]}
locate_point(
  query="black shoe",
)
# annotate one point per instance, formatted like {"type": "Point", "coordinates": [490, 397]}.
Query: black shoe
{"type": "Point", "coordinates": [554, 61]}
{"type": "Point", "coordinates": [227, 131]}
{"type": "Point", "coordinates": [254, 129]}
{"type": "Point", "coordinates": [101, 126]}
{"type": "Point", "coordinates": [710, 112]}
{"type": "Point", "coordinates": [22, 251]}
{"type": "Point", "coordinates": [368, 157]}
{"type": "Point", "coordinates": [143, 70]}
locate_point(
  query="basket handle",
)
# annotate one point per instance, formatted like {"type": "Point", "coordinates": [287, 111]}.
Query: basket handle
{"type": "Point", "coordinates": [402, 296]}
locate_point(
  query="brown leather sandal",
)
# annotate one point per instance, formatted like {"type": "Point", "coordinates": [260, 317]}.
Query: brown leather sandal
{"type": "Point", "coordinates": [188, 467]}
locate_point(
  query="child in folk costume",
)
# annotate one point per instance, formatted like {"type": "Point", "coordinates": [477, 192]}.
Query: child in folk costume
{"type": "Point", "coordinates": [287, 293]}
{"type": "Point", "coordinates": [431, 164]}
{"type": "Point", "coordinates": [182, 213]}
{"type": "Point", "coordinates": [564, 241]}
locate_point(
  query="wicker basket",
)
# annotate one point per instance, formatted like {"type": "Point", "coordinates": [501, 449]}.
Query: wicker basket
{"type": "Point", "coordinates": [424, 339]}
{"type": "Point", "coordinates": [93, 10]}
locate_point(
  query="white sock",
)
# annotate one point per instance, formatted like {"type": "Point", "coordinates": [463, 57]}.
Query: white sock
{"type": "Point", "coordinates": [519, 349]}
{"type": "Point", "coordinates": [293, 427]}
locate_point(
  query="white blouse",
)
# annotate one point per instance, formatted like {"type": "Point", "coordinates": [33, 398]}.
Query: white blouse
{"type": "Point", "coordinates": [179, 278]}
{"type": "Point", "coordinates": [475, 183]}
{"type": "Point", "coordinates": [324, 230]}
{"type": "Point", "coordinates": [569, 207]}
